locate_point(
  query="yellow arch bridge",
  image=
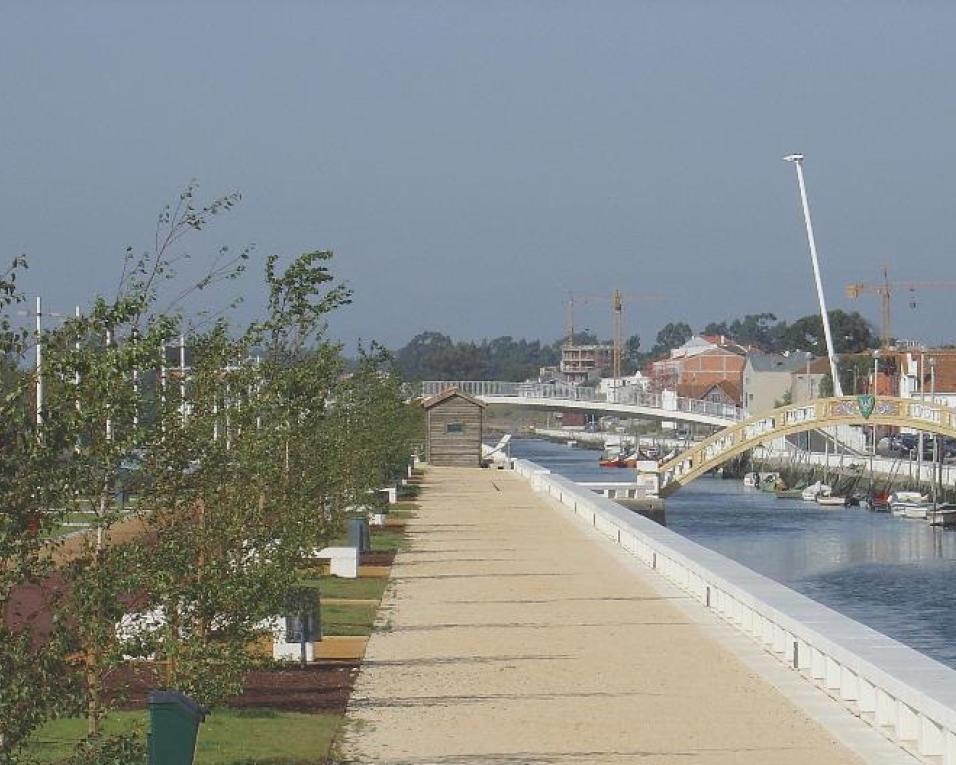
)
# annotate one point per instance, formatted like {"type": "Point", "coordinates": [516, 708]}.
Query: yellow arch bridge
{"type": "Point", "coordinates": [821, 413]}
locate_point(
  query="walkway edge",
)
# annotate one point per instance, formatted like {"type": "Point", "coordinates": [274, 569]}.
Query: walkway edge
{"type": "Point", "coordinates": [856, 666]}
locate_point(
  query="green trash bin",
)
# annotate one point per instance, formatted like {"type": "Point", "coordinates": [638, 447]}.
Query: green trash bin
{"type": "Point", "coordinates": [174, 720]}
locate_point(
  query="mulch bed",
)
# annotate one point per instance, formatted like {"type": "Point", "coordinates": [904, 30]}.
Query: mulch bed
{"type": "Point", "coordinates": [321, 687]}
{"type": "Point", "coordinates": [377, 558]}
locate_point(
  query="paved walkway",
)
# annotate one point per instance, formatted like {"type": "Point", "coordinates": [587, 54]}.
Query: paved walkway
{"type": "Point", "coordinates": [509, 637]}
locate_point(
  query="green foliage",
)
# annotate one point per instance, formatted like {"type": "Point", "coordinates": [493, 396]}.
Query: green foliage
{"type": "Point", "coordinates": [434, 356]}
{"type": "Point", "coordinates": [240, 469]}
{"type": "Point", "coordinates": [851, 332]}
{"type": "Point", "coordinates": [671, 335]}
{"type": "Point", "coordinates": [120, 749]}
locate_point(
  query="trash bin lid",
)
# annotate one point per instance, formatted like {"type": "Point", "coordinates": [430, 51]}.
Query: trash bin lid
{"type": "Point", "coordinates": [197, 712]}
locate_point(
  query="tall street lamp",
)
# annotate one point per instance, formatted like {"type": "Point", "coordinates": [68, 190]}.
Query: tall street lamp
{"type": "Point", "coordinates": [797, 160]}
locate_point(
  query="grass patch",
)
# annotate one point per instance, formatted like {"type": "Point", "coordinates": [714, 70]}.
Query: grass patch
{"type": "Point", "coordinates": [403, 509]}
{"type": "Point", "coordinates": [387, 540]}
{"type": "Point", "coordinates": [364, 588]}
{"type": "Point", "coordinates": [228, 737]}
{"type": "Point", "coordinates": [348, 619]}
{"type": "Point", "coordinates": [409, 491]}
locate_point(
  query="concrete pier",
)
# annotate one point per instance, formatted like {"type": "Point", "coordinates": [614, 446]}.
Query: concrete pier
{"type": "Point", "coordinates": [511, 636]}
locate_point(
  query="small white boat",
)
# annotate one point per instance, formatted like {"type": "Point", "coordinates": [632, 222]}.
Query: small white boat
{"type": "Point", "coordinates": [830, 501]}
{"type": "Point", "coordinates": [815, 490]}
{"type": "Point", "coordinates": [752, 479]}
{"type": "Point", "coordinates": [908, 504]}
{"type": "Point", "coordinates": [944, 515]}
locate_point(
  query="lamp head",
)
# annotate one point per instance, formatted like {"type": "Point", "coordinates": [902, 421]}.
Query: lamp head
{"type": "Point", "coordinates": [793, 158]}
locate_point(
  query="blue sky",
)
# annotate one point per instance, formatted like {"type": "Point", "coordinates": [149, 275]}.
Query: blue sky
{"type": "Point", "coordinates": [470, 163]}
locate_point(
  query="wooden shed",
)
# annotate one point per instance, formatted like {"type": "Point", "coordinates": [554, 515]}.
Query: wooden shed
{"type": "Point", "coordinates": [454, 428]}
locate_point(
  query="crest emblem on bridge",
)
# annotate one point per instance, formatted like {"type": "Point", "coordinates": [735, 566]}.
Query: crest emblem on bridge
{"type": "Point", "coordinates": [866, 404]}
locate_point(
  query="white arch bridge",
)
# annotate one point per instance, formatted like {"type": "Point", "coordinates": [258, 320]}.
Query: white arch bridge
{"type": "Point", "coordinates": [822, 413]}
{"type": "Point", "coordinates": [575, 398]}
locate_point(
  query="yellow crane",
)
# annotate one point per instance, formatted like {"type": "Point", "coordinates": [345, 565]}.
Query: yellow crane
{"type": "Point", "coordinates": [885, 290]}
{"type": "Point", "coordinates": [617, 321]}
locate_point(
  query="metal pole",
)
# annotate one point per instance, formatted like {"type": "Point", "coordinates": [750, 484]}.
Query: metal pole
{"type": "Point", "coordinates": [932, 377]}
{"type": "Point", "coordinates": [876, 361]}
{"type": "Point", "coordinates": [39, 367]}
{"type": "Point", "coordinates": [919, 440]}
{"type": "Point", "coordinates": [135, 388]}
{"type": "Point", "coordinates": [182, 377]}
{"type": "Point", "coordinates": [109, 420]}
{"type": "Point", "coordinates": [162, 385]}
{"type": "Point", "coordinates": [797, 159]}
{"type": "Point", "coordinates": [76, 374]}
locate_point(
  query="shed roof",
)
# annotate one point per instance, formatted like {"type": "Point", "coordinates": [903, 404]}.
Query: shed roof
{"type": "Point", "coordinates": [448, 393]}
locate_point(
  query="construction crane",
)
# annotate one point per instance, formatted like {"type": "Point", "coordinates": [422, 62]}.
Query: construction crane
{"type": "Point", "coordinates": [885, 290]}
{"type": "Point", "coordinates": [616, 299]}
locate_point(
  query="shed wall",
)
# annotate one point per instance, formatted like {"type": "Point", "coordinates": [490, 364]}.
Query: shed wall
{"type": "Point", "coordinates": [455, 449]}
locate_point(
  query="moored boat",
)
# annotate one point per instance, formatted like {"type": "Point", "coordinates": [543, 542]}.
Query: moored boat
{"type": "Point", "coordinates": [944, 515]}
{"type": "Point", "coordinates": [789, 493]}
{"type": "Point", "coordinates": [815, 490]}
{"type": "Point", "coordinates": [908, 504]}
{"type": "Point", "coordinates": [878, 502]}
{"type": "Point", "coordinates": [613, 462]}
{"type": "Point", "coordinates": [828, 500]}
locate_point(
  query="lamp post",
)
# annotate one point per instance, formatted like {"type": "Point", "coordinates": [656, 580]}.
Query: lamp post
{"type": "Point", "coordinates": [797, 160]}
{"type": "Point", "coordinates": [876, 363]}
{"type": "Point", "coordinates": [922, 398]}
{"type": "Point", "coordinates": [932, 388]}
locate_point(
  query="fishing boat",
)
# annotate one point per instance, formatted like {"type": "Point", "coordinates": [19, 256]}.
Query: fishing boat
{"type": "Point", "coordinates": [815, 490]}
{"type": "Point", "coordinates": [878, 502]}
{"type": "Point", "coordinates": [828, 500]}
{"type": "Point", "coordinates": [617, 461]}
{"type": "Point", "coordinates": [909, 504]}
{"type": "Point", "coordinates": [789, 493]}
{"type": "Point", "coordinates": [944, 515]}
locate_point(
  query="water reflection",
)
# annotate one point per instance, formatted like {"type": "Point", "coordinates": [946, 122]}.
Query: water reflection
{"type": "Point", "coordinates": [890, 573]}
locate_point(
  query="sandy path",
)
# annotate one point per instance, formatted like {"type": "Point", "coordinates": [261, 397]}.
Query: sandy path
{"type": "Point", "coordinates": [508, 638]}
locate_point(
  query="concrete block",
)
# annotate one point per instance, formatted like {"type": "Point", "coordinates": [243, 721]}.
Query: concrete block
{"type": "Point", "coordinates": [343, 561]}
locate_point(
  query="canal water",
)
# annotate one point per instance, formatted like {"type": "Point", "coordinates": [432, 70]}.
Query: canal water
{"type": "Point", "coordinates": [897, 576]}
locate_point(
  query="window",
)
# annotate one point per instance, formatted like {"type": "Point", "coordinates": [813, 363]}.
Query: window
{"type": "Point", "coordinates": [455, 427]}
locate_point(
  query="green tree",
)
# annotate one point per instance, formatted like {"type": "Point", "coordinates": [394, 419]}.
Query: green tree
{"type": "Point", "coordinates": [851, 333]}
{"type": "Point", "coordinates": [671, 335]}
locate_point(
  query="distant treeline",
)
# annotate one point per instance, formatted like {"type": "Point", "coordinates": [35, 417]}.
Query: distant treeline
{"type": "Point", "coordinates": [434, 356]}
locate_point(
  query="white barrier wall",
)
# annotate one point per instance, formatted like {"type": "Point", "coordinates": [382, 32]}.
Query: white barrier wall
{"type": "Point", "coordinates": [907, 696]}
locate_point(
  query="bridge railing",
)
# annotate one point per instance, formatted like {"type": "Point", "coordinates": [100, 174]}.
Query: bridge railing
{"type": "Point", "coordinates": [514, 389]}
{"type": "Point", "coordinates": [629, 395]}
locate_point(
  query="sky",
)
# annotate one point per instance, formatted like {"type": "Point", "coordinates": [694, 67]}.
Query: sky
{"type": "Point", "coordinates": [471, 163]}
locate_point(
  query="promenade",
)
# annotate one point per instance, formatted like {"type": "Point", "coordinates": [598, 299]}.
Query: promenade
{"type": "Point", "coordinates": [507, 637]}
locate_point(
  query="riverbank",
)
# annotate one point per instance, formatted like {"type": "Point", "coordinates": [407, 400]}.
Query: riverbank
{"type": "Point", "coordinates": [508, 638]}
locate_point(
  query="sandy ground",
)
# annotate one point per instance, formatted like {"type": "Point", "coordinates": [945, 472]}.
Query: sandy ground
{"type": "Point", "coordinates": [507, 637]}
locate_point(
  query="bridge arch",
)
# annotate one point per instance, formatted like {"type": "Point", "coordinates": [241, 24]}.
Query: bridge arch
{"type": "Point", "coordinates": [797, 418]}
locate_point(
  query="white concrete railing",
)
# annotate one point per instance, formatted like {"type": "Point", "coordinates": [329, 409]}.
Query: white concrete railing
{"type": "Point", "coordinates": [628, 395]}
{"type": "Point", "coordinates": [907, 696]}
